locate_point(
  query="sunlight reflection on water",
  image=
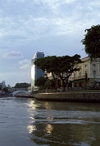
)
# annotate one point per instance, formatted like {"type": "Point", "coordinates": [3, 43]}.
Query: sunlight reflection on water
{"type": "Point", "coordinates": [29, 123]}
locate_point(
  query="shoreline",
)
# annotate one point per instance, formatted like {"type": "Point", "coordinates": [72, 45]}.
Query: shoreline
{"type": "Point", "coordinates": [69, 96]}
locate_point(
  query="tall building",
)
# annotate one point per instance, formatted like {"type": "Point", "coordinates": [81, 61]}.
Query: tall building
{"type": "Point", "coordinates": [35, 71]}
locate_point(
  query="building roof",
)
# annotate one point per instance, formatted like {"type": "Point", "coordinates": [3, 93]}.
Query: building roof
{"type": "Point", "coordinates": [85, 58]}
{"type": "Point", "coordinates": [38, 54]}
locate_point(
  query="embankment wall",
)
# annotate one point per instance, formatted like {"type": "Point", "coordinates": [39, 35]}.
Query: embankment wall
{"type": "Point", "coordinates": [69, 97]}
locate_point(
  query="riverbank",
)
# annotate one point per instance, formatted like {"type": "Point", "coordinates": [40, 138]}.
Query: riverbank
{"type": "Point", "coordinates": [5, 95]}
{"type": "Point", "coordinates": [69, 96]}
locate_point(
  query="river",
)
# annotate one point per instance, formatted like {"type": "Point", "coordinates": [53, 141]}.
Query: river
{"type": "Point", "coordinates": [26, 122]}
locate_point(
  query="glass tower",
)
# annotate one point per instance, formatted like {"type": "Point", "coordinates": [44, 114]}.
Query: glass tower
{"type": "Point", "coordinates": [35, 71]}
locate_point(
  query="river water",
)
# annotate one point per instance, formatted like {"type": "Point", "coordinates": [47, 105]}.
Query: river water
{"type": "Point", "coordinates": [26, 122]}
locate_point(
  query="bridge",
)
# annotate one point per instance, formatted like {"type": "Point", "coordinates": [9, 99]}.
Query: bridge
{"type": "Point", "coordinates": [20, 92]}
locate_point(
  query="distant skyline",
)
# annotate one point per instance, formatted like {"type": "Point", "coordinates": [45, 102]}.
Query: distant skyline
{"type": "Point", "coordinates": [55, 27]}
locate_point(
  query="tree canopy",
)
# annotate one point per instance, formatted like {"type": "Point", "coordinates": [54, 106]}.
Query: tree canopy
{"type": "Point", "coordinates": [22, 85]}
{"type": "Point", "coordinates": [92, 41]}
{"type": "Point", "coordinates": [45, 83]}
{"type": "Point", "coordinates": [60, 67]}
{"type": "Point", "coordinates": [40, 82]}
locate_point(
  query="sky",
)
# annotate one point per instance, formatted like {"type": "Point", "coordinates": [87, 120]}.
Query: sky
{"type": "Point", "coordinates": [55, 27]}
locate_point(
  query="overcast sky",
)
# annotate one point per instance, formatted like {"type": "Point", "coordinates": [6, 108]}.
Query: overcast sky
{"type": "Point", "coordinates": [55, 27]}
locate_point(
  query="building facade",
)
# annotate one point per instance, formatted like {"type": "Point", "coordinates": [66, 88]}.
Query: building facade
{"type": "Point", "coordinates": [35, 71]}
{"type": "Point", "coordinates": [88, 75]}
{"type": "Point", "coordinates": [2, 85]}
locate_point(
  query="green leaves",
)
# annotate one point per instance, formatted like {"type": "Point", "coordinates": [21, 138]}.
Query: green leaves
{"type": "Point", "coordinates": [92, 41]}
{"type": "Point", "coordinates": [45, 83]}
{"type": "Point", "coordinates": [61, 67]}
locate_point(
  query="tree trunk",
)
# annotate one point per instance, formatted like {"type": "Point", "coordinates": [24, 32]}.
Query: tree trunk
{"type": "Point", "coordinates": [64, 85]}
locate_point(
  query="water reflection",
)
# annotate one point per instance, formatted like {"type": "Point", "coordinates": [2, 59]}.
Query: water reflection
{"type": "Point", "coordinates": [32, 104]}
{"type": "Point", "coordinates": [52, 134]}
{"type": "Point", "coordinates": [64, 124]}
{"type": "Point", "coordinates": [49, 129]}
{"type": "Point", "coordinates": [32, 111]}
{"type": "Point", "coordinates": [47, 105]}
{"type": "Point", "coordinates": [27, 122]}
{"type": "Point", "coordinates": [31, 128]}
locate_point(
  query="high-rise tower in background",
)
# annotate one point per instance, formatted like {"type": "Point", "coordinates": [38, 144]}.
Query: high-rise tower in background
{"type": "Point", "coordinates": [35, 71]}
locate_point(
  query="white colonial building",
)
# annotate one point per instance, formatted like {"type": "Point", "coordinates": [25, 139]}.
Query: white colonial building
{"type": "Point", "coordinates": [88, 75]}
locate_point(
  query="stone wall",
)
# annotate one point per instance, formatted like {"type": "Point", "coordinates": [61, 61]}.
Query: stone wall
{"type": "Point", "coordinates": [70, 97]}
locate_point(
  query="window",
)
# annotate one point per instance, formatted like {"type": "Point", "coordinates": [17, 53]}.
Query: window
{"type": "Point", "coordinates": [94, 73]}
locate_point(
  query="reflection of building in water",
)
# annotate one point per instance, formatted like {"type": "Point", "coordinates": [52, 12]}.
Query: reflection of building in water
{"type": "Point", "coordinates": [31, 128]}
{"type": "Point", "coordinates": [32, 104]}
{"type": "Point", "coordinates": [47, 105]}
{"type": "Point", "coordinates": [35, 71]}
{"type": "Point", "coordinates": [49, 129]}
{"type": "Point", "coordinates": [32, 111]}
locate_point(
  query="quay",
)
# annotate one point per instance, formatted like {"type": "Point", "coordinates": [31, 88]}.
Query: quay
{"type": "Point", "coordinates": [69, 96]}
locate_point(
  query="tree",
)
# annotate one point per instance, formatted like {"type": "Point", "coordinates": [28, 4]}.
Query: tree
{"type": "Point", "coordinates": [6, 89]}
{"type": "Point", "coordinates": [60, 67]}
{"type": "Point", "coordinates": [92, 41]}
{"type": "Point", "coordinates": [40, 82]}
{"type": "Point", "coordinates": [45, 83]}
{"type": "Point", "coordinates": [22, 85]}
{"type": "Point", "coordinates": [49, 84]}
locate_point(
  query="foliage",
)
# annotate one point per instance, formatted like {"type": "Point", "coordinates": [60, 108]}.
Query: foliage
{"type": "Point", "coordinates": [0, 87]}
{"type": "Point", "coordinates": [22, 85]}
{"type": "Point", "coordinates": [60, 67]}
{"type": "Point", "coordinates": [44, 83]}
{"type": "Point", "coordinates": [6, 89]}
{"type": "Point", "coordinates": [40, 82]}
{"type": "Point", "coordinates": [49, 84]}
{"type": "Point", "coordinates": [92, 41]}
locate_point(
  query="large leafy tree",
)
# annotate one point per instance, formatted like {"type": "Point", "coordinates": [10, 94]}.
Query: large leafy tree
{"type": "Point", "coordinates": [45, 83]}
{"type": "Point", "coordinates": [92, 41]}
{"type": "Point", "coordinates": [60, 67]}
{"type": "Point", "coordinates": [22, 85]}
{"type": "Point", "coordinates": [40, 81]}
